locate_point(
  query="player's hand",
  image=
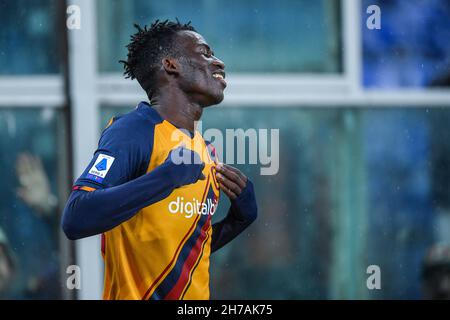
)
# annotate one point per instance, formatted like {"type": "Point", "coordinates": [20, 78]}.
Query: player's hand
{"type": "Point", "coordinates": [231, 180]}
{"type": "Point", "coordinates": [186, 166]}
{"type": "Point", "coordinates": [34, 185]}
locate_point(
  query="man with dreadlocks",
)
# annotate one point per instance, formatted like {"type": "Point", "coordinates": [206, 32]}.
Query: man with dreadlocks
{"type": "Point", "coordinates": [153, 184]}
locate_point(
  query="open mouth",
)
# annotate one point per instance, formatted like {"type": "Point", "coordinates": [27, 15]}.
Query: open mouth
{"type": "Point", "coordinates": [220, 75]}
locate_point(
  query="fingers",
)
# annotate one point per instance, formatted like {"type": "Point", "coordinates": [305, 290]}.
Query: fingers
{"type": "Point", "coordinates": [27, 164]}
{"type": "Point", "coordinates": [230, 194]}
{"type": "Point", "coordinates": [242, 176]}
{"type": "Point", "coordinates": [232, 174]}
{"type": "Point", "coordinates": [231, 188]}
{"type": "Point", "coordinates": [231, 180]}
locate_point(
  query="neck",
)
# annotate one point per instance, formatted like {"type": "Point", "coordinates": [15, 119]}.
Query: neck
{"type": "Point", "coordinates": [175, 107]}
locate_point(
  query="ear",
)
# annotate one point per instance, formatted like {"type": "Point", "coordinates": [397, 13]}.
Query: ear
{"type": "Point", "coordinates": [171, 66]}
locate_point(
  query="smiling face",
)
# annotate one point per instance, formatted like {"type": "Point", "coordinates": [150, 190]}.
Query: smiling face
{"type": "Point", "coordinates": [201, 75]}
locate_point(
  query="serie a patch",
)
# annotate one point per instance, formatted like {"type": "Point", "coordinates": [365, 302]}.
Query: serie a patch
{"type": "Point", "coordinates": [100, 168]}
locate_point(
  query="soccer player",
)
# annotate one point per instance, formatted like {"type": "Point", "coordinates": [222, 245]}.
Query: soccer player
{"type": "Point", "coordinates": [153, 210]}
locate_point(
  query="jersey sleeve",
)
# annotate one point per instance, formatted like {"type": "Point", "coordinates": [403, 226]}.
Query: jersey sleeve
{"type": "Point", "coordinates": [122, 155]}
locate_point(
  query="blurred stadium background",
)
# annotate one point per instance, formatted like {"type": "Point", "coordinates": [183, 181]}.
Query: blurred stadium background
{"type": "Point", "coordinates": [363, 115]}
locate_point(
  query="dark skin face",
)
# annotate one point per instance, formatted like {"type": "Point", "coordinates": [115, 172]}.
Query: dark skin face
{"type": "Point", "coordinates": [199, 70]}
{"type": "Point", "coordinates": [189, 84]}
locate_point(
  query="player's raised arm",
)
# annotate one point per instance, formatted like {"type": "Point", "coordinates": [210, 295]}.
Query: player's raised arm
{"type": "Point", "coordinates": [243, 210]}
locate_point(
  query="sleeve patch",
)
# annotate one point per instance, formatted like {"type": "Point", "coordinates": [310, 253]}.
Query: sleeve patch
{"type": "Point", "coordinates": [100, 168]}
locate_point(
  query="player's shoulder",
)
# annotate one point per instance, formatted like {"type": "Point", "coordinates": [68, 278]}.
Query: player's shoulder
{"type": "Point", "coordinates": [134, 125]}
{"type": "Point", "coordinates": [141, 117]}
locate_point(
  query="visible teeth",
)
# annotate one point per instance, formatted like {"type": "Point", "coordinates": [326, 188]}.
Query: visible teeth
{"type": "Point", "coordinates": [218, 75]}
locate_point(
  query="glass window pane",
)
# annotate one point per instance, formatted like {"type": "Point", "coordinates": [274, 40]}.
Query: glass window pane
{"type": "Point", "coordinates": [28, 37]}
{"type": "Point", "coordinates": [249, 36]}
{"type": "Point", "coordinates": [34, 172]}
{"type": "Point", "coordinates": [291, 244]}
{"type": "Point", "coordinates": [402, 155]}
{"type": "Point", "coordinates": [351, 183]}
{"type": "Point", "coordinates": [409, 50]}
